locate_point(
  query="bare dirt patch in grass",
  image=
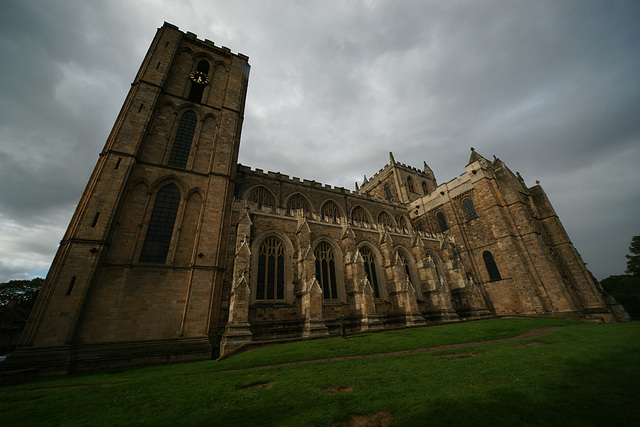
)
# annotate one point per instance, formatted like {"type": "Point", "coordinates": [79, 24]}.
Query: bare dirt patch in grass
{"type": "Point", "coordinates": [533, 344]}
{"type": "Point", "coordinates": [379, 419]}
{"type": "Point", "coordinates": [456, 356]}
{"type": "Point", "coordinates": [252, 387]}
{"type": "Point", "coordinates": [338, 389]}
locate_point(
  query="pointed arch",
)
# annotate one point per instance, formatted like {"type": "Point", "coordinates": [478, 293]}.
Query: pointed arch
{"type": "Point", "coordinates": [330, 211]}
{"type": "Point", "coordinates": [373, 269]}
{"type": "Point", "coordinates": [161, 223]}
{"type": "Point", "coordinates": [298, 202]}
{"type": "Point", "coordinates": [410, 185]}
{"type": "Point", "coordinates": [408, 264]}
{"type": "Point", "coordinates": [385, 219]}
{"type": "Point", "coordinates": [360, 214]}
{"type": "Point", "coordinates": [197, 89]}
{"type": "Point", "coordinates": [183, 140]}
{"type": "Point", "coordinates": [329, 269]}
{"type": "Point", "coordinates": [271, 269]}
{"type": "Point", "coordinates": [261, 196]}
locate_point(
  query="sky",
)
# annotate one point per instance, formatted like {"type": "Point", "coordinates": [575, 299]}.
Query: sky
{"type": "Point", "coordinates": [552, 88]}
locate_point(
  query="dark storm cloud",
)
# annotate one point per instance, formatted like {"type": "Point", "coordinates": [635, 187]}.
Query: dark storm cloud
{"type": "Point", "coordinates": [549, 87]}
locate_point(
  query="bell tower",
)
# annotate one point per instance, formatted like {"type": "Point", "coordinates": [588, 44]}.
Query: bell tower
{"type": "Point", "coordinates": [138, 275]}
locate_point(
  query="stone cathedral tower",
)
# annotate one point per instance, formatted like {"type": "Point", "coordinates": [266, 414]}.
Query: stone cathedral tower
{"type": "Point", "coordinates": [176, 252]}
{"type": "Point", "coordinates": [139, 272]}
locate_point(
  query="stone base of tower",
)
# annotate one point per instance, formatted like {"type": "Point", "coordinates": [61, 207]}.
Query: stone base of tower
{"type": "Point", "coordinates": [63, 360]}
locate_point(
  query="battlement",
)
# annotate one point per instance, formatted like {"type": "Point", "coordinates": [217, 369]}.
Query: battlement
{"type": "Point", "coordinates": [210, 44]}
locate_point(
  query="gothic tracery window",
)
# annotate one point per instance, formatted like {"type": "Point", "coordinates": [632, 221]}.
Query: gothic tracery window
{"type": "Point", "coordinates": [370, 269]}
{"type": "Point", "coordinates": [270, 274]}
{"type": "Point", "coordinates": [183, 139]}
{"type": "Point", "coordinates": [385, 219]}
{"type": "Point", "coordinates": [331, 211]}
{"type": "Point", "coordinates": [425, 189]}
{"type": "Point", "coordinates": [163, 217]}
{"type": "Point", "coordinates": [297, 202]}
{"type": "Point", "coordinates": [261, 196]}
{"type": "Point", "coordinates": [326, 270]}
{"type": "Point", "coordinates": [359, 214]}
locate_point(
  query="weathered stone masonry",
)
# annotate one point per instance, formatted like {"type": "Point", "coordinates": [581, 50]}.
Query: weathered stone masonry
{"type": "Point", "coordinates": [176, 252]}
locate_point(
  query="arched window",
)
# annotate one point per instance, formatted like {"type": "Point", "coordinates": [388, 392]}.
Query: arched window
{"type": "Point", "coordinates": [197, 86]}
{"type": "Point", "coordinates": [442, 221]}
{"type": "Point", "coordinates": [387, 191]}
{"type": "Point", "coordinates": [359, 214]}
{"type": "Point", "coordinates": [425, 189]}
{"type": "Point", "coordinates": [182, 141]}
{"type": "Point", "coordinates": [297, 202]}
{"type": "Point", "coordinates": [270, 277]}
{"type": "Point", "coordinates": [331, 211]}
{"type": "Point", "coordinates": [469, 210]}
{"type": "Point", "coordinates": [163, 217]}
{"type": "Point", "coordinates": [402, 222]}
{"type": "Point", "coordinates": [492, 268]}
{"type": "Point", "coordinates": [410, 185]}
{"type": "Point", "coordinates": [404, 260]}
{"type": "Point", "coordinates": [370, 269]}
{"type": "Point", "coordinates": [261, 197]}
{"type": "Point", "coordinates": [326, 270]}
{"type": "Point", "coordinates": [385, 219]}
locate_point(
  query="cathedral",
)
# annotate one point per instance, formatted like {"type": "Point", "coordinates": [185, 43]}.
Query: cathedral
{"type": "Point", "coordinates": [176, 252]}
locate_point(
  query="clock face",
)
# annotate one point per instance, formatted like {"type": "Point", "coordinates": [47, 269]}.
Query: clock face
{"type": "Point", "coordinates": [199, 77]}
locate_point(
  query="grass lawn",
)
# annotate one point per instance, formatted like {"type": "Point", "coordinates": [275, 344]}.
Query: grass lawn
{"type": "Point", "coordinates": [580, 374]}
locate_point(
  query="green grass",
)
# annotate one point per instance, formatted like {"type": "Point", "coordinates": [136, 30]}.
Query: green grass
{"type": "Point", "coordinates": [579, 374]}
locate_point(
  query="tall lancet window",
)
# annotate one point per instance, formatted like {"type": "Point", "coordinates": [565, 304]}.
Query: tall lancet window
{"type": "Point", "coordinates": [405, 265]}
{"type": "Point", "coordinates": [492, 267]}
{"type": "Point", "coordinates": [370, 269]}
{"type": "Point", "coordinates": [270, 282]}
{"type": "Point", "coordinates": [183, 139]}
{"type": "Point", "coordinates": [163, 218]}
{"type": "Point", "coordinates": [326, 270]}
{"type": "Point", "coordinates": [199, 79]}
{"type": "Point", "coordinates": [442, 221]}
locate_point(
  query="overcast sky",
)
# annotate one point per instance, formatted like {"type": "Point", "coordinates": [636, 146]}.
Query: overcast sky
{"type": "Point", "coordinates": [550, 87]}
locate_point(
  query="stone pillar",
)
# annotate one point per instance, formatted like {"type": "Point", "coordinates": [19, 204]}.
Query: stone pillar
{"type": "Point", "coordinates": [311, 295]}
{"type": "Point", "coordinates": [238, 329]}
{"type": "Point", "coordinates": [363, 296]}
{"type": "Point", "coordinates": [314, 325]}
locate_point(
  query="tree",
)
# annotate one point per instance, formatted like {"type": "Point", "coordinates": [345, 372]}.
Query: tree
{"type": "Point", "coordinates": [23, 291]}
{"type": "Point", "coordinates": [633, 260]}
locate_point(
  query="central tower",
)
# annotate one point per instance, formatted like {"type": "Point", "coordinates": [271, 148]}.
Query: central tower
{"type": "Point", "coordinates": [139, 272]}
